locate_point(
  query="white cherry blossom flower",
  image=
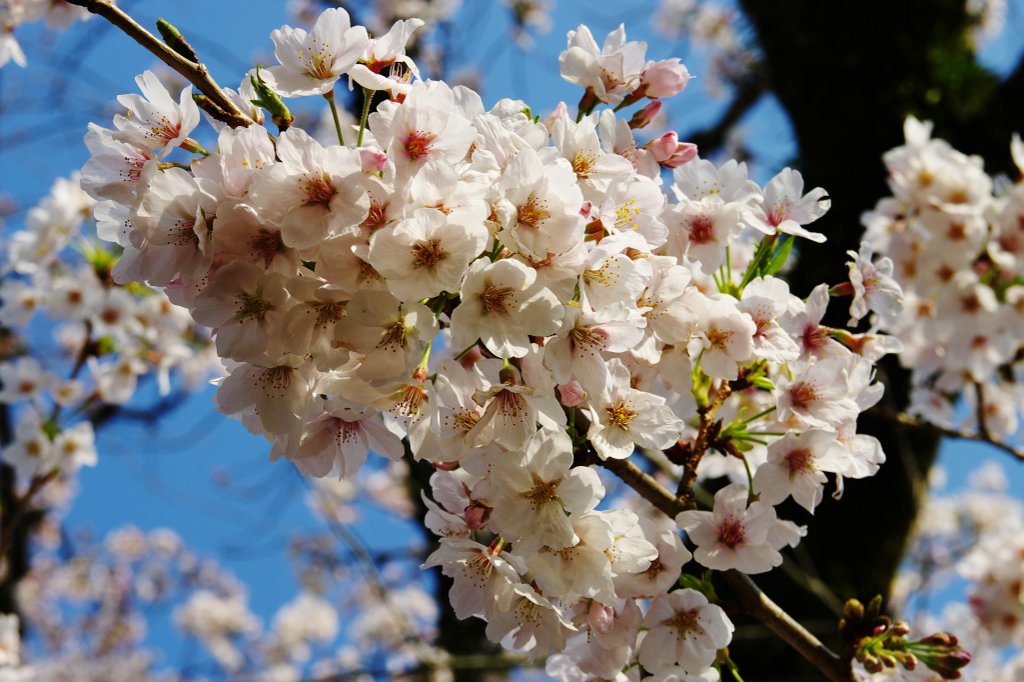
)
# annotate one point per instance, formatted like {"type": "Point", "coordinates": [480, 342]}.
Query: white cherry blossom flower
{"type": "Point", "coordinates": [338, 438]}
{"type": "Point", "coordinates": [245, 307]}
{"type": "Point", "coordinates": [425, 254]}
{"type": "Point", "coordinates": [312, 62]}
{"type": "Point", "coordinates": [502, 307]}
{"type": "Point", "coordinates": [531, 624]}
{"type": "Point", "coordinates": [685, 631]}
{"type": "Point", "coordinates": [622, 418]}
{"type": "Point", "coordinates": [610, 72]}
{"type": "Point", "coordinates": [155, 121]}
{"type": "Point", "coordinates": [582, 570]}
{"type": "Point", "coordinates": [737, 535]}
{"type": "Point", "coordinates": [384, 52]}
{"type": "Point", "coordinates": [484, 578]}
{"type": "Point", "coordinates": [314, 192]}
{"type": "Point", "coordinates": [818, 395]}
{"type": "Point", "coordinates": [537, 494]}
{"type": "Point", "coordinates": [796, 466]}
{"type": "Point", "coordinates": [786, 208]}
{"type": "Point", "coordinates": [427, 126]}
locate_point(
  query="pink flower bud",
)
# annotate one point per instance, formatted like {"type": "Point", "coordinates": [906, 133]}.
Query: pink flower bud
{"type": "Point", "coordinates": [664, 78]}
{"type": "Point", "coordinates": [561, 110]}
{"type": "Point", "coordinates": [643, 118]}
{"type": "Point", "coordinates": [374, 159]}
{"type": "Point", "coordinates": [572, 393]}
{"type": "Point", "coordinates": [586, 208]}
{"type": "Point", "coordinates": [670, 152]}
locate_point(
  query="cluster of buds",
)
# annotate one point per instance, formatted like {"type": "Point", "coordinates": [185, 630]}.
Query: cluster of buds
{"type": "Point", "coordinates": [878, 642]}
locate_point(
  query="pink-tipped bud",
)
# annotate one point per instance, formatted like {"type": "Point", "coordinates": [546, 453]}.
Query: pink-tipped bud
{"type": "Point", "coordinates": [373, 159]}
{"type": "Point", "coordinates": [561, 110]}
{"type": "Point", "coordinates": [586, 208]}
{"type": "Point", "coordinates": [571, 393]}
{"type": "Point", "coordinates": [670, 152]}
{"type": "Point", "coordinates": [664, 78]}
{"type": "Point", "coordinates": [643, 118]}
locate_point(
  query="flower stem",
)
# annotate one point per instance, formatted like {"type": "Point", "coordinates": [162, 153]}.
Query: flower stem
{"type": "Point", "coordinates": [329, 96]}
{"type": "Point", "coordinates": [367, 98]}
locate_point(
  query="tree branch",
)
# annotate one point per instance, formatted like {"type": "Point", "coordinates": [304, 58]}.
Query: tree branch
{"type": "Point", "coordinates": [750, 597]}
{"type": "Point", "coordinates": [905, 419]}
{"type": "Point", "coordinates": [195, 72]}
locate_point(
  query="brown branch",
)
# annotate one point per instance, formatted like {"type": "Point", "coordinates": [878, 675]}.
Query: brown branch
{"type": "Point", "coordinates": [195, 72]}
{"type": "Point", "coordinates": [960, 434]}
{"type": "Point", "coordinates": [13, 514]}
{"type": "Point", "coordinates": [979, 412]}
{"type": "Point", "coordinates": [755, 602]}
{"type": "Point", "coordinates": [751, 598]}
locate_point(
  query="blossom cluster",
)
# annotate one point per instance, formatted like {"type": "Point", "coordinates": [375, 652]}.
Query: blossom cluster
{"type": "Point", "coordinates": [88, 616]}
{"type": "Point", "coordinates": [516, 300]}
{"type": "Point", "coordinates": [953, 240]}
{"type": "Point", "coordinates": [110, 336]}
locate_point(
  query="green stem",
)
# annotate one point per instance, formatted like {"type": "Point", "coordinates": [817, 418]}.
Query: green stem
{"type": "Point", "coordinates": [734, 669]}
{"type": "Point", "coordinates": [367, 98]}
{"type": "Point", "coordinates": [329, 96]}
{"type": "Point", "coordinates": [760, 414]}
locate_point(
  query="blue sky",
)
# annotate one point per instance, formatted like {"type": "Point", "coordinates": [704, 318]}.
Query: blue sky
{"type": "Point", "coordinates": [164, 475]}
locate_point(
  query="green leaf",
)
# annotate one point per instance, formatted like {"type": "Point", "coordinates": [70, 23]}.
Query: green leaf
{"type": "Point", "coordinates": [780, 257]}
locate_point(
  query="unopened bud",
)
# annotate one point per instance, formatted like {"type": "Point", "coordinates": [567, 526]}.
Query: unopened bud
{"type": "Point", "coordinates": [571, 393]}
{"type": "Point", "coordinates": [175, 40]}
{"type": "Point", "coordinates": [872, 664]}
{"type": "Point", "coordinates": [561, 110]}
{"type": "Point", "coordinates": [670, 152]}
{"type": "Point", "coordinates": [373, 159]}
{"type": "Point", "coordinates": [271, 101]}
{"type": "Point", "coordinates": [643, 118]}
{"type": "Point", "coordinates": [664, 78]}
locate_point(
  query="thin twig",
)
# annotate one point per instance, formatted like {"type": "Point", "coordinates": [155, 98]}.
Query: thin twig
{"type": "Point", "coordinates": [960, 434]}
{"type": "Point", "coordinates": [195, 72]}
{"type": "Point", "coordinates": [750, 597]}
